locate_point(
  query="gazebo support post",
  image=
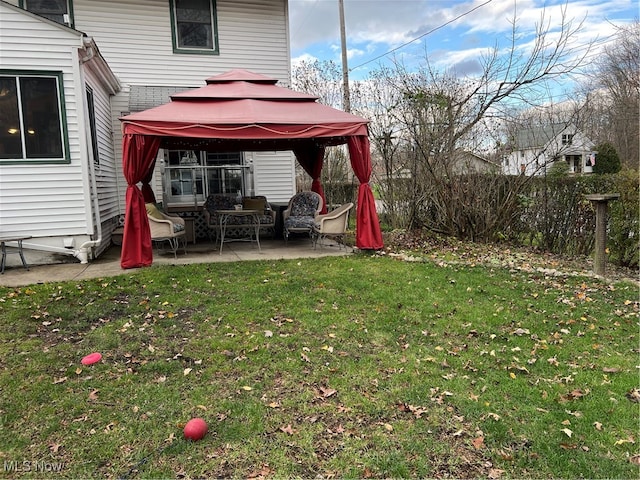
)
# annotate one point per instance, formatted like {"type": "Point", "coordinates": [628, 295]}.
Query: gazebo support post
{"type": "Point", "coordinates": [601, 204]}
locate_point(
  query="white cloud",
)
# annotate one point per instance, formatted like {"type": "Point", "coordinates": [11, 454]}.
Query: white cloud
{"type": "Point", "coordinates": [377, 27]}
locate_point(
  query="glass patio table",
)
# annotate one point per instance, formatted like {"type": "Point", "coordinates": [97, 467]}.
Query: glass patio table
{"type": "Point", "coordinates": [254, 215]}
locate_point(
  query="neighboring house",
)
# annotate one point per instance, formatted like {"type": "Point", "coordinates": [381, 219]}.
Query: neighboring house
{"type": "Point", "coordinates": [468, 162]}
{"type": "Point", "coordinates": [69, 69]}
{"type": "Point", "coordinates": [533, 151]}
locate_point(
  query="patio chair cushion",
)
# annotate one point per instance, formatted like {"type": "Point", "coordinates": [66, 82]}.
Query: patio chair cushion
{"type": "Point", "coordinates": [153, 211]}
{"type": "Point", "coordinates": [254, 203]}
{"type": "Point", "coordinates": [296, 221]}
{"type": "Point", "coordinates": [306, 204]}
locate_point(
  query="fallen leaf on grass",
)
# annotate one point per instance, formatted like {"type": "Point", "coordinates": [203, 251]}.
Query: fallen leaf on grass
{"type": "Point", "coordinates": [635, 459]}
{"type": "Point", "coordinates": [478, 443]}
{"type": "Point", "coordinates": [55, 447]}
{"type": "Point", "coordinates": [417, 411]}
{"type": "Point", "coordinates": [93, 395]}
{"type": "Point", "coordinates": [495, 473]}
{"type": "Point", "coordinates": [568, 446]}
{"type": "Point", "coordinates": [567, 432]}
{"type": "Point", "coordinates": [187, 371]}
{"type": "Point", "coordinates": [598, 425]}
{"type": "Point", "coordinates": [367, 473]}
{"type": "Point", "coordinates": [634, 395]}
{"type": "Point", "coordinates": [574, 395]}
{"type": "Point", "coordinates": [264, 472]}
{"type": "Point", "coordinates": [288, 430]}
{"type": "Point", "coordinates": [629, 439]}
{"type": "Point", "coordinates": [327, 392]}
{"type": "Point", "coordinates": [57, 381]}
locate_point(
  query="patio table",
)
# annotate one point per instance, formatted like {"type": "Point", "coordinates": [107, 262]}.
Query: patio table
{"type": "Point", "coordinates": [5, 252]}
{"type": "Point", "coordinates": [224, 216]}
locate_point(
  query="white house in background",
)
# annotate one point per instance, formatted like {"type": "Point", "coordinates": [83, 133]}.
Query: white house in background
{"type": "Point", "coordinates": [534, 150]}
{"type": "Point", "coordinates": [70, 68]}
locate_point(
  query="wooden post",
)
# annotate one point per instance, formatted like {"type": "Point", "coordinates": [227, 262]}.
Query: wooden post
{"type": "Point", "coordinates": [601, 204]}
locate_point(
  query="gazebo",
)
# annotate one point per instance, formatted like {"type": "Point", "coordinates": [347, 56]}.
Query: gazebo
{"type": "Point", "coordinates": [240, 111]}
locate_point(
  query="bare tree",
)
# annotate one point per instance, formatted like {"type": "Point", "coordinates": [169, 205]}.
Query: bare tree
{"type": "Point", "coordinates": [442, 115]}
{"type": "Point", "coordinates": [323, 79]}
{"type": "Point", "coordinates": [613, 98]}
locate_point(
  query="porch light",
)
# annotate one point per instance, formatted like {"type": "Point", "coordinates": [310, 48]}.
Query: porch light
{"type": "Point", "coordinates": [13, 131]}
{"type": "Point", "coordinates": [31, 131]}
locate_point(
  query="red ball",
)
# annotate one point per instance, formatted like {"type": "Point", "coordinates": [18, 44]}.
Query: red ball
{"type": "Point", "coordinates": [195, 429]}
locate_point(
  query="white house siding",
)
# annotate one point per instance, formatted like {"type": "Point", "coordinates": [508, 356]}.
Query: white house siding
{"type": "Point", "coordinates": [135, 39]}
{"type": "Point", "coordinates": [268, 171]}
{"type": "Point", "coordinates": [45, 201]}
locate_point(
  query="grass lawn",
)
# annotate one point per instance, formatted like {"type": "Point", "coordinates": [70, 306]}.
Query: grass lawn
{"type": "Point", "coordinates": [356, 367]}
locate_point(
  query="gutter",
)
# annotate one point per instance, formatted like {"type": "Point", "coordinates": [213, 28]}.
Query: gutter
{"type": "Point", "coordinates": [99, 66]}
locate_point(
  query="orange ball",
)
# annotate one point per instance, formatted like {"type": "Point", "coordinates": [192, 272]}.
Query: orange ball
{"type": "Point", "coordinates": [195, 429]}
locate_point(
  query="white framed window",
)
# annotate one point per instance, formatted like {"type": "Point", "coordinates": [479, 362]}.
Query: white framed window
{"type": "Point", "coordinates": [33, 128]}
{"type": "Point", "coordinates": [194, 26]}
{"type": "Point", "coordinates": [60, 11]}
{"type": "Point", "coordinates": [567, 139]}
{"type": "Point", "coordinates": [190, 176]}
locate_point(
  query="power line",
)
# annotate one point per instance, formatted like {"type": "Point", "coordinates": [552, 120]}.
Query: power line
{"type": "Point", "coordinates": [423, 35]}
{"type": "Point", "coordinates": [308, 13]}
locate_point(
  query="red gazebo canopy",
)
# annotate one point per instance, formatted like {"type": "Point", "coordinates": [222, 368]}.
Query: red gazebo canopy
{"type": "Point", "coordinates": [240, 111]}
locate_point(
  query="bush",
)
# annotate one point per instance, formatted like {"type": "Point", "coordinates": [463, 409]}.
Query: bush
{"type": "Point", "coordinates": [559, 218]}
{"type": "Point", "coordinates": [607, 159]}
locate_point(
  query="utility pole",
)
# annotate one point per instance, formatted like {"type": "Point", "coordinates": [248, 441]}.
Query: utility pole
{"type": "Point", "coordinates": [346, 103]}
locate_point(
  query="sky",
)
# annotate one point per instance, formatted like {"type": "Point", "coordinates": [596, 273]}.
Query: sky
{"type": "Point", "coordinates": [453, 33]}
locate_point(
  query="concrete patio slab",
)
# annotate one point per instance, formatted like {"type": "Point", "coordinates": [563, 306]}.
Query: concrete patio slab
{"type": "Point", "coordinates": [108, 264]}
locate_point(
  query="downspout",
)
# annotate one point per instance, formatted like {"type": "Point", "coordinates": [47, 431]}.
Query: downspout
{"type": "Point", "coordinates": [81, 253]}
{"type": "Point", "coordinates": [91, 53]}
{"type": "Point", "coordinates": [113, 86]}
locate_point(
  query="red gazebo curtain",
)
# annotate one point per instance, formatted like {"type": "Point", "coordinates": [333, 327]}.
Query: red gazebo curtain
{"type": "Point", "coordinates": [138, 160]}
{"type": "Point", "coordinates": [312, 158]}
{"type": "Point", "coordinates": [368, 233]}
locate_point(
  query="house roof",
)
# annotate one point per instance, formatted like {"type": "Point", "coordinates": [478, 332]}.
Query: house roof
{"type": "Point", "coordinates": [537, 136]}
{"type": "Point", "coordinates": [142, 97]}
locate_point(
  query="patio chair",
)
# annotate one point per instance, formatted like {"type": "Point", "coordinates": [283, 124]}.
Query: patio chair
{"type": "Point", "coordinates": [165, 228]}
{"type": "Point", "coordinates": [332, 225]}
{"type": "Point", "coordinates": [300, 215]}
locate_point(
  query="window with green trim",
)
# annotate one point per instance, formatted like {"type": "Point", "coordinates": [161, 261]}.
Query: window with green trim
{"type": "Point", "coordinates": [194, 26]}
{"type": "Point", "coordinates": [32, 129]}
{"type": "Point", "coordinates": [60, 11]}
{"type": "Point", "coordinates": [91, 110]}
